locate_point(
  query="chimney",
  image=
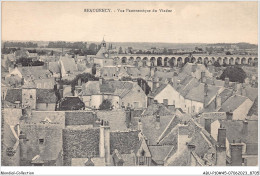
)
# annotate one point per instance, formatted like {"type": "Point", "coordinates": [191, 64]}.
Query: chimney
{"type": "Point", "coordinates": [22, 81]}
{"type": "Point", "coordinates": [97, 123]}
{"type": "Point", "coordinates": [23, 147]}
{"type": "Point", "coordinates": [79, 82]}
{"type": "Point", "coordinates": [193, 67]}
{"type": "Point", "coordinates": [104, 141]}
{"type": "Point", "coordinates": [183, 136]}
{"type": "Point", "coordinates": [236, 154]}
{"type": "Point", "coordinates": [208, 125]}
{"type": "Point", "coordinates": [153, 85]}
{"type": "Point", "coordinates": [226, 84]}
{"type": "Point", "coordinates": [100, 80]}
{"type": "Point", "coordinates": [202, 78]}
{"type": "Point", "coordinates": [245, 128]}
{"type": "Point", "coordinates": [206, 89]}
{"type": "Point", "coordinates": [221, 147]}
{"type": "Point", "coordinates": [191, 148]}
{"type": "Point", "coordinates": [222, 136]}
{"type": "Point", "coordinates": [157, 123]}
{"type": "Point", "coordinates": [218, 102]}
{"type": "Point", "coordinates": [178, 82]}
{"type": "Point", "coordinates": [213, 80]}
{"type": "Point", "coordinates": [229, 115]}
{"type": "Point", "coordinates": [128, 117]}
{"type": "Point", "coordinates": [46, 65]}
{"type": "Point", "coordinates": [140, 125]}
{"type": "Point", "coordinates": [152, 72]}
{"type": "Point", "coordinates": [235, 87]}
{"type": "Point", "coordinates": [61, 91]}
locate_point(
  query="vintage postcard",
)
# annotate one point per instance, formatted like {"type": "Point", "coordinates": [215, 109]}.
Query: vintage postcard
{"type": "Point", "coordinates": [129, 84]}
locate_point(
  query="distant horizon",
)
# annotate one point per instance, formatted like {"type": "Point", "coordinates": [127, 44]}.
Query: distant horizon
{"type": "Point", "coordinates": [122, 42]}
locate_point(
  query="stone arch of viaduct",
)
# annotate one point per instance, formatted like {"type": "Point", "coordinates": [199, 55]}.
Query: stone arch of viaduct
{"type": "Point", "coordinates": [174, 60]}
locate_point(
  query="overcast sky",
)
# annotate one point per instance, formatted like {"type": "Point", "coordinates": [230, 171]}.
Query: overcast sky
{"type": "Point", "coordinates": [190, 22]}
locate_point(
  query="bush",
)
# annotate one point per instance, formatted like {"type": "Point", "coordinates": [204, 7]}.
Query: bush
{"type": "Point", "coordinates": [105, 105]}
{"type": "Point", "coordinates": [234, 73]}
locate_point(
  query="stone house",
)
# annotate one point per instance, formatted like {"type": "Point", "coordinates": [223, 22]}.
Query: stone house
{"type": "Point", "coordinates": [120, 93]}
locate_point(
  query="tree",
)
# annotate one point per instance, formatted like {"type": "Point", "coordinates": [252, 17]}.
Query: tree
{"type": "Point", "coordinates": [228, 53]}
{"type": "Point", "coordinates": [85, 77]}
{"type": "Point", "coordinates": [92, 47]}
{"type": "Point", "coordinates": [105, 105]}
{"type": "Point", "coordinates": [234, 73]}
{"type": "Point", "coordinates": [120, 50]}
{"type": "Point", "coordinates": [165, 51]}
{"type": "Point", "coordinates": [216, 64]}
{"type": "Point", "coordinates": [171, 63]}
{"type": "Point", "coordinates": [144, 85]}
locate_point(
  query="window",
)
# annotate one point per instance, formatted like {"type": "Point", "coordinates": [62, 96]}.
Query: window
{"type": "Point", "coordinates": [31, 96]}
{"type": "Point", "coordinates": [41, 141]}
{"type": "Point", "coordinates": [138, 90]}
{"type": "Point", "coordinates": [47, 105]}
{"type": "Point", "coordinates": [136, 104]}
{"type": "Point", "coordinates": [141, 160]}
{"type": "Point", "coordinates": [165, 101]}
{"type": "Point", "coordinates": [193, 109]}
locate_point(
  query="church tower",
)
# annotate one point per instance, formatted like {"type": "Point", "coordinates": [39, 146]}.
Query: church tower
{"type": "Point", "coordinates": [103, 43]}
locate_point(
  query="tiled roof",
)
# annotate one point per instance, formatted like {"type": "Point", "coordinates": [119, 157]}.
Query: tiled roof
{"type": "Point", "coordinates": [198, 69]}
{"type": "Point", "coordinates": [129, 159]}
{"type": "Point", "coordinates": [197, 93]}
{"type": "Point", "coordinates": [251, 93]}
{"type": "Point", "coordinates": [52, 135]}
{"type": "Point", "coordinates": [145, 71]}
{"type": "Point", "coordinates": [120, 88]}
{"type": "Point", "coordinates": [91, 88]}
{"type": "Point", "coordinates": [45, 96]}
{"type": "Point", "coordinates": [159, 153]}
{"type": "Point", "coordinates": [123, 72]}
{"type": "Point", "coordinates": [149, 127]}
{"type": "Point", "coordinates": [133, 71]}
{"type": "Point", "coordinates": [156, 108]}
{"type": "Point", "coordinates": [224, 95]}
{"type": "Point", "coordinates": [173, 123]}
{"type": "Point", "coordinates": [254, 109]}
{"type": "Point", "coordinates": [158, 90]}
{"type": "Point", "coordinates": [116, 119]}
{"type": "Point", "coordinates": [79, 118]}
{"type": "Point", "coordinates": [36, 72]}
{"type": "Point", "coordinates": [100, 53]}
{"type": "Point", "coordinates": [55, 117]}
{"type": "Point", "coordinates": [171, 138]}
{"type": "Point", "coordinates": [69, 64]}
{"type": "Point", "coordinates": [234, 130]}
{"type": "Point", "coordinates": [180, 158]}
{"type": "Point", "coordinates": [97, 161]}
{"type": "Point", "coordinates": [109, 71]}
{"type": "Point", "coordinates": [160, 74]}
{"type": "Point", "coordinates": [71, 103]}
{"type": "Point", "coordinates": [79, 143]}
{"type": "Point", "coordinates": [232, 103]}
{"type": "Point", "coordinates": [14, 95]}
{"type": "Point", "coordinates": [54, 67]}
{"type": "Point", "coordinates": [124, 142]}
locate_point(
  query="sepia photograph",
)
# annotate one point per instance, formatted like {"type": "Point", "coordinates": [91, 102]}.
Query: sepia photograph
{"type": "Point", "coordinates": [129, 84]}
